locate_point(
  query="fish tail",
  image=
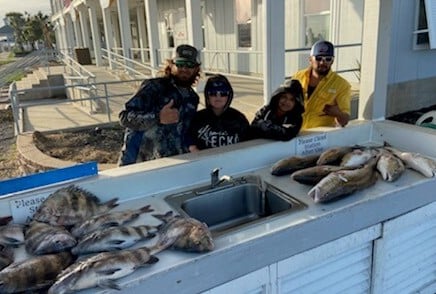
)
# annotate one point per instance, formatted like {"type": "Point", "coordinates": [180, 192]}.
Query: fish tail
{"type": "Point", "coordinates": [112, 203]}
{"type": "Point", "coordinates": [145, 209]}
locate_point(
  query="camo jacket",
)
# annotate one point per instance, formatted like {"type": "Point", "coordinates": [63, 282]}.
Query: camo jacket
{"type": "Point", "coordinates": [145, 137]}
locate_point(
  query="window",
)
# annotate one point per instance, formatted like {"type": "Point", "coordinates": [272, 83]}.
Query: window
{"type": "Point", "coordinates": [243, 22]}
{"type": "Point", "coordinates": [316, 20]}
{"type": "Point", "coordinates": [424, 36]}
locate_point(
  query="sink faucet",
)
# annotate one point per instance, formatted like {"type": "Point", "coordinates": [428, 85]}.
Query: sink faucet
{"type": "Point", "coordinates": [215, 179]}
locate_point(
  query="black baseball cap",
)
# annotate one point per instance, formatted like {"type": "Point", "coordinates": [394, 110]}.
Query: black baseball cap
{"type": "Point", "coordinates": [186, 52]}
{"type": "Point", "coordinates": [322, 48]}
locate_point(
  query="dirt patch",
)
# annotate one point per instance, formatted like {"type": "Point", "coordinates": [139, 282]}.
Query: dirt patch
{"type": "Point", "coordinates": [101, 144]}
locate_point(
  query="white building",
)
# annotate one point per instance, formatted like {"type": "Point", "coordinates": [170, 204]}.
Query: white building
{"type": "Point", "coordinates": [388, 45]}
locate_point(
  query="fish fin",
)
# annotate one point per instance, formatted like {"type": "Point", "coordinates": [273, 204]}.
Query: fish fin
{"type": "Point", "coordinates": [108, 272]}
{"type": "Point", "coordinates": [5, 220]}
{"type": "Point", "coordinates": [116, 242]}
{"type": "Point", "coordinates": [342, 178]}
{"type": "Point", "coordinates": [12, 242]}
{"type": "Point", "coordinates": [111, 203]}
{"type": "Point", "coordinates": [109, 225]}
{"type": "Point", "coordinates": [164, 217]}
{"type": "Point", "coordinates": [146, 209]}
{"type": "Point", "coordinates": [108, 284]}
{"type": "Point", "coordinates": [151, 235]}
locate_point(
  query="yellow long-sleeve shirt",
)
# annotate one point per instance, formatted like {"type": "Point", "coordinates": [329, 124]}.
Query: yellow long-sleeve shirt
{"type": "Point", "coordinates": [332, 89]}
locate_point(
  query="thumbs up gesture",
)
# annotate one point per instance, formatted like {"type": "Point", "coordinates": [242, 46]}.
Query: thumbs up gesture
{"type": "Point", "coordinates": [168, 114]}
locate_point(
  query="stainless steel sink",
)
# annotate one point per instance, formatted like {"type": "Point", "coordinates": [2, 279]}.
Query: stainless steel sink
{"type": "Point", "coordinates": [234, 204]}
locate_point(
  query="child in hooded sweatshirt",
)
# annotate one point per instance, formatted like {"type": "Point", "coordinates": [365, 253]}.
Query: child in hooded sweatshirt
{"type": "Point", "coordinates": [218, 124]}
{"type": "Point", "coordinates": [282, 118]}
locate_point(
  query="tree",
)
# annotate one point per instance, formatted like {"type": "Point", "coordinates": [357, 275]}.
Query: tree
{"type": "Point", "coordinates": [17, 21]}
{"type": "Point", "coordinates": [37, 29]}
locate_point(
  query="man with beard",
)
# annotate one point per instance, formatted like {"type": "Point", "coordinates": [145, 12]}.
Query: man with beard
{"type": "Point", "coordinates": [327, 96]}
{"type": "Point", "coordinates": [158, 116]}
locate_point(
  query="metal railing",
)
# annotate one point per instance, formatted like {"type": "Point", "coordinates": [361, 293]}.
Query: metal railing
{"type": "Point", "coordinates": [111, 94]}
{"type": "Point", "coordinates": [131, 66]}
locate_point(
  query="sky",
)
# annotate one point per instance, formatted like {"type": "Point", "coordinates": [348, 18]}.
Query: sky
{"type": "Point", "coordinates": [31, 6]}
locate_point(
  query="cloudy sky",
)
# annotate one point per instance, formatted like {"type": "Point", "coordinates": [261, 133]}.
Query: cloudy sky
{"type": "Point", "coordinates": [31, 6]}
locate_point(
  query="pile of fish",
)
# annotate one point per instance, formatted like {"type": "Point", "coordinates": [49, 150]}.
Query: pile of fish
{"type": "Point", "coordinates": [340, 171]}
{"type": "Point", "coordinates": [76, 242]}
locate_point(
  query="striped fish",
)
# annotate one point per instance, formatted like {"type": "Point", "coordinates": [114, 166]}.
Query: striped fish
{"type": "Point", "coordinates": [103, 269]}
{"type": "Point", "coordinates": [113, 238]}
{"type": "Point", "coordinates": [34, 273]}
{"type": "Point", "coordinates": [70, 205]}
{"type": "Point", "coordinates": [42, 238]}
{"type": "Point", "coordinates": [109, 219]}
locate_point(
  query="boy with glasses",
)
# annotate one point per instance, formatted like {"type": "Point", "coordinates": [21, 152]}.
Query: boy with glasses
{"type": "Point", "coordinates": [158, 116]}
{"type": "Point", "coordinates": [218, 124]}
{"type": "Point", "coordinates": [327, 96]}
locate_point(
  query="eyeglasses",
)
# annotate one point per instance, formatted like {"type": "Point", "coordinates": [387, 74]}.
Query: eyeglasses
{"type": "Point", "coordinates": [324, 58]}
{"type": "Point", "coordinates": [187, 64]}
{"type": "Point", "coordinates": [218, 93]}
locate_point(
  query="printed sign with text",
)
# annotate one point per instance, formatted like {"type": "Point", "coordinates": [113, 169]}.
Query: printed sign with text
{"type": "Point", "coordinates": [311, 145]}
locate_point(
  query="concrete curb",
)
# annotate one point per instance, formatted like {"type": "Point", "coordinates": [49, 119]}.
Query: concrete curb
{"type": "Point", "coordinates": [38, 160]}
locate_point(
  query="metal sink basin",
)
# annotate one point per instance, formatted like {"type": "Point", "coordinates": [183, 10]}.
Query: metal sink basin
{"type": "Point", "coordinates": [234, 204]}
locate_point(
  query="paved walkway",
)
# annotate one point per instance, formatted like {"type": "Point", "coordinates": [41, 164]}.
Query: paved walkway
{"type": "Point", "coordinates": [42, 116]}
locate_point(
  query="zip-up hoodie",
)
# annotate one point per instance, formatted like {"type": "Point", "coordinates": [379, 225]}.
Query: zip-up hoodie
{"type": "Point", "coordinates": [267, 124]}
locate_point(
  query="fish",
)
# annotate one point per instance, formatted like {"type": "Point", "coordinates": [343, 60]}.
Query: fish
{"type": "Point", "coordinates": [312, 175]}
{"type": "Point", "coordinates": [420, 163]}
{"type": "Point", "coordinates": [34, 273]}
{"type": "Point", "coordinates": [291, 164]}
{"type": "Point", "coordinates": [12, 234]}
{"type": "Point", "coordinates": [390, 166]}
{"type": "Point", "coordinates": [113, 238]}
{"type": "Point", "coordinates": [70, 205]}
{"type": "Point", "coordinates": [184, 233]}
{"type": "Point", "coordinates": [5, 220]}
{"type": "Point", "coordinates": [6, 256]}
{"type": "Point", "coordinates": [109, 219]}
{"type": "Point", "coordinates": [344, 182]}
{"type": "Point", "coordinates": [101, 270]}
{"type": "Point", "coordinates": [358, 157]}
{"type": "Point", "coordinates": [43, 238]}
{"type": "Point", "coordinates": [333, 155]}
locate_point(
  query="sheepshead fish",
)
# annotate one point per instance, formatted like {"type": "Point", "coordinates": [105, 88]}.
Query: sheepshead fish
{"type": "Point", "coordinates": [109, 219]}
{"type": "Point", "coordinates": [291, 164]}
{"type": "Point", "coordinates": [42, 238]}
{"type": "Point", "coordinates": [344, 182]}
{"type": "Point", "coordinates": [12, 234]}
{"type": "Point", "coordinates": [101, 270]}
{"type": "Point", "coordinates": [184, 233]}
{"type": "Point", "coordinates": [312, 175]}
{"type": "Point", "coordinates": [358, 157]}
{"type": "Point", "coordinates": [34, 273]}
{"type": "Point", "coordinates": [390, 167]}
{"type": "Point", "coordinates": [424, 165]}
{"type": "Point", "coordinates": [333, 155]}
{"type": "Point", "coordinates": [113, 238]}
{"type": "Point", "coordinates": [6, 256]}
{"type": "Point", "coordinates": [70, 205]}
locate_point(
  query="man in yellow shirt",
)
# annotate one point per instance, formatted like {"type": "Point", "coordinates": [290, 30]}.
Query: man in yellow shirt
{"type": "Point", "coordinates": [327, 96]}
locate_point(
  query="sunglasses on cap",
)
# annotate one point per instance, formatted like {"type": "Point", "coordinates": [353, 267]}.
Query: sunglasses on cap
{"type": "Point", "coordinates": [218, 93]}
{"type": "Point", "coordinates": [187, 64]}
{"type": "Point", "coordinates": [324, 58]}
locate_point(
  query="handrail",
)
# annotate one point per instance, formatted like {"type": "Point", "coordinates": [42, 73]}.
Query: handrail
{"type": "Point", "coordinates": [125, 63]}
{"type": "Point", "coordinates": [73, 65]}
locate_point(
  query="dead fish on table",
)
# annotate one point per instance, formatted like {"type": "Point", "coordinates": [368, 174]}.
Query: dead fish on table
{"type": "Point", "coordinates": [291, 164]}
{"type": "Point", "coordinates": [109, 219]}
{"type": "Point", "coordinates": [70, 205]}
{"type": "Point", "coordinates": [12, 234]}
{"type": "Point", "coordinates": [113, 238]}
{"type": "Point", "coordinates": [424, 165]}
{"type": "Point", "coordinates": [333, 155]}
{"type": "Point", "coordinates": [6, 256]}
{"type": "Point", "coordinates": [358, 157]}
{"type": "Point", "coordinates": [42, 238]}
{"type": "Point", "coordinates": [313, 175]}
{"type": "Point", "coordinates": [34, 273]}
{"type": "Point", "coordinates": [103, 269]}
{"type": "Point", "coordinates": [184, 233]}
{"type": "Point", "coordinates": [390, 166]}
{"type": "Point", "coordinates": [344, 182]}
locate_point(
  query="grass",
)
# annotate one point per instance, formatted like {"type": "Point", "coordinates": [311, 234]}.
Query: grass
{"type": "Point", "coordinates": [15, 76]}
